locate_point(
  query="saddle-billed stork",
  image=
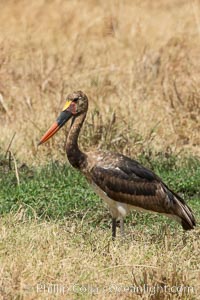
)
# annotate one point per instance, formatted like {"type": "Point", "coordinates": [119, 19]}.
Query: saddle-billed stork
{"type": "Point", "coordinates": [122, 182]}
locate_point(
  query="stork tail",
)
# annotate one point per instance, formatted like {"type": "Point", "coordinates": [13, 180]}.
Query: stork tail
{"type": "Point", "coordinates": [186, 217]}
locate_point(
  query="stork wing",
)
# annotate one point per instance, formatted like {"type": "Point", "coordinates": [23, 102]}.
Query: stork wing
{"type": "Point", "coordinates": [131, 183]}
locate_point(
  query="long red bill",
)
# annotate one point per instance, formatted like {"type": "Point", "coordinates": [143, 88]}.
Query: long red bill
{"type": "Point", "coordinates": [61, 120]}
{"type": "Point", "coordinates": [50, 132]}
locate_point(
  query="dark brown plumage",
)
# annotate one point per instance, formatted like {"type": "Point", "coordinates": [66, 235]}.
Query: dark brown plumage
{"type": "Point", "coordinates": [122, 182]}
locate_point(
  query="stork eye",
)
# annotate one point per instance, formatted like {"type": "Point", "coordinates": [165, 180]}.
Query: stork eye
{"type": "Point", "coordinates": [76, 99]}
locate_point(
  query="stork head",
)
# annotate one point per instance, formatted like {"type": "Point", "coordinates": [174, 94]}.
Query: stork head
{"type": "Point", "coordinates": [76, 104]}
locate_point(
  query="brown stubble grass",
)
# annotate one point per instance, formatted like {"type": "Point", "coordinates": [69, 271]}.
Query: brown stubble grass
{"type": "Point", "coordinates": [139, 61]}
{"type": "Point", "coordinates": [68, 260]}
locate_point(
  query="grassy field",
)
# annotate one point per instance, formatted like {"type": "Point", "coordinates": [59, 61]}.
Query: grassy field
{"type": "Point", "coordinates": [138, 62]}
{"type": "Point", "coordinates": [56, 238]}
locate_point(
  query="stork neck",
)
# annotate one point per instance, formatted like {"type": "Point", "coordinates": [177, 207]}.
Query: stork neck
{"type": "Point", "coordinates": [75, 156]}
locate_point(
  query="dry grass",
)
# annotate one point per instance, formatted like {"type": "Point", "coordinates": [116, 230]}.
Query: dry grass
{"type": "Point", "coordinates": [41, 260]}
{"type": "Point", "coordinates": [139, 60]}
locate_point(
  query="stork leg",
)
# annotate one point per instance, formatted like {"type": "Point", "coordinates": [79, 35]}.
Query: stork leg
{"type": "Point", "coordinates": [122, 227]}
{"type": "Point", "coordinates": [114, 226]}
